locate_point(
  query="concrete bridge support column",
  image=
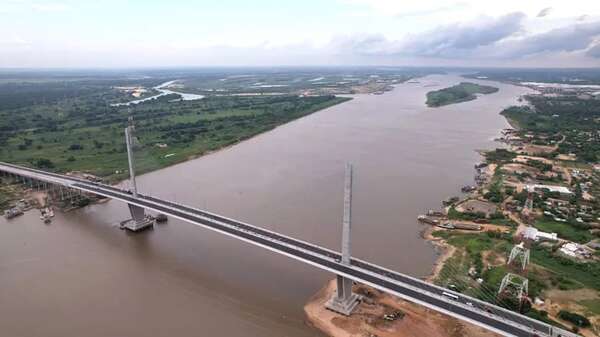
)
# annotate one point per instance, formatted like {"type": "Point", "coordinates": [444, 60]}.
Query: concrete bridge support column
{"type": "Point", "coordinates": [344, 300]}
{"type": "Point", "coordinates": [139, 219]}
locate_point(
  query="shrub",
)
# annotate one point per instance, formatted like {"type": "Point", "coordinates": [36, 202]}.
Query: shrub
{"type": "Point", "coordinates": [76, 147]}
{"type": "Point", "coordinates": [43, 163]}
{"type": "Point", "coordinates": [574, 318]}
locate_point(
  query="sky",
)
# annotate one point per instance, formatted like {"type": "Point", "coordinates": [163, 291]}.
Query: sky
{"type": "Point", "coordinates": [150, 33]}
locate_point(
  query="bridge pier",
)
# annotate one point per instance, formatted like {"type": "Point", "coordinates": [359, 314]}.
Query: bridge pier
{"type": "Point", "coordinates": [344, 300]}
{"type": "Point", "coordinates": [139, 220]}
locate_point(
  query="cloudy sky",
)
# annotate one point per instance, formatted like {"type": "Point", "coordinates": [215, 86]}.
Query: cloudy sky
{"type": "Point", "coordinates": [120, 33]}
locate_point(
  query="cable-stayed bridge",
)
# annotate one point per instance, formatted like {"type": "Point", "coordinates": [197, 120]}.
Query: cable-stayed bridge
{"type": "Point", "coordinates": [346, 268]}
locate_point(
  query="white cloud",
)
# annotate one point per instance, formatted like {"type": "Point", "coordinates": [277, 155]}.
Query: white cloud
{"type": "Point", "coordinates": [499, 39]}
{"type": "Point", "coordinates": [50, 7]}
{"type": "Point", "coordinates": [449, 32]}
{"type": "Point", "coordinates": [21, 6]}
{"type": "Point", "coordinates": [13, 41]}
{"type": "Point", "coordinates": [468, 9]}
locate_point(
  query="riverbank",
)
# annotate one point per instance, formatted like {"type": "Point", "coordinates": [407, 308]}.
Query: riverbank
{"type": "Point", "coordinates": [368, 317]}
{"type": "Point", "coordinates": [177, 155]}
{"type": "Point", "coordinates": [9, 194]}
{"type": "Point", "coordinates": [543, 193]}
{"type": "Point", "coordinates": [444, 250]}
{"type": "Point", "coordinates": [167, 133]}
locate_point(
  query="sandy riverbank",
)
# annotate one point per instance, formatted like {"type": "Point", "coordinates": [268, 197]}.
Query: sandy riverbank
{"type": "Point", "coordinates": [445, 252]}
{"type": "Point", "coordinates": [367, 320]}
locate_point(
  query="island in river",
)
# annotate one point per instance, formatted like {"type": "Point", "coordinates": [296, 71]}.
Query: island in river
{"type": "Point", "coordinates": [462, 92]}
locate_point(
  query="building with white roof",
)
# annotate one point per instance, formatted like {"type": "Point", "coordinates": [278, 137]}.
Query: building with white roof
{"type": "Point", "coordinates": [551, 188]}
{"type": "Point", "coordinates": [532, 233]}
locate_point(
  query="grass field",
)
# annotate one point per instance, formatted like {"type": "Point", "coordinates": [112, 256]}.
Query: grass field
{"type": "Point", "coordinates": [579, 274]}
{"type": "Point", "coordinates": [592, 305]}
{"type": "Point", "coordinates": [85, 138]}
{"type": "Point", "coordinates": [564, 230]}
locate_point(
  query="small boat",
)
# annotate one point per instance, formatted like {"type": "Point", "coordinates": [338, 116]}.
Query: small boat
{"type": "Point", "coordinates": [468, 188]}
{"type": "Point", "coordinates": [435, 213]}
{"type": "Point", "coordinates": [12, 213]}
{"type": "Point", "coordinates": [45, 218]}
{"type": "Point", "coordinates": [428, 220]}
{"type": "Point", "coordinates": [161, 218]}
{"type": "Point", "coordinates": [46, 214]}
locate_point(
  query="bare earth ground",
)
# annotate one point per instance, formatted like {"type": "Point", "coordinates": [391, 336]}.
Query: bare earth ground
{"type": "Point", "coordinates": [367, 320]}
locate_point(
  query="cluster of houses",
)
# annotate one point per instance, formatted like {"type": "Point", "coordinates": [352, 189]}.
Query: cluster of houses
{"type": "Point", "coordinates": [577, 251]}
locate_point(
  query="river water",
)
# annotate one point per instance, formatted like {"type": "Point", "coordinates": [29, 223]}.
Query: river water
{"type": "Point", "coordinates": [163, 92]}
{"type": "Point", "coordinates": [82, 276]}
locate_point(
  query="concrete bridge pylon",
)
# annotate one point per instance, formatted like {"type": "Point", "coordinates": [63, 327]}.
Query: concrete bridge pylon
{"type": "Point", "coordinates": [344, 300]}
{"type": "Point", "coordinates": [139, 220]}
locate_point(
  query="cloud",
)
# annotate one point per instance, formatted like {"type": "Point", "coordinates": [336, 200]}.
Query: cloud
{"type": "Point", "coordinates": [501, 38]}
{"type": "Point", "coordinates": [566, 39]}
{"type": "Point", "coordinates": [454, 39]}
{"type": "Point", "coordinates": [50, 7]}
{"type": "Point", "coordinates": [433, 10]}
{"type": "Point", "coordinates": [445, 41]}
{"type": "Point", "coordinates": [544, 12]}
{"type": "Point", "coordinates": [594, 51]}
{"type": "Point", "coordinates": [13, 41]}
{"type": "Point", "coordinates": [25, 6]}
{"type": "Point", "coordinates": [583, 17]}
{"type": "Point", "coordinates": [473, 8]}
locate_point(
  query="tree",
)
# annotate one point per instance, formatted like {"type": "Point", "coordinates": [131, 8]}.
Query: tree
{"type": "Point", "coordinates": [76, 147]}
{"type": "Point", "coordinates": [43, 163]}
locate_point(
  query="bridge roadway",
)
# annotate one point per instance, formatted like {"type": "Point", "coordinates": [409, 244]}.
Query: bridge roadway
{"type": "Point", "coordinates": [463, 307]}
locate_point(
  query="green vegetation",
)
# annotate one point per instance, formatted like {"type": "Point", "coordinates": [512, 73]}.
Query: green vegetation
{"type": "Point", "coordinates": [499, 156]}
{"type": "Point", "coordinates": [574, 318]}
{"type": "Point", "coordinates": [462, 92]}
{"type": "Point", "coordinates": [552, 118]}
{"type": "Point", "coordinates": [564, 230]}
{"type": "Point", "coordinates": [86, 135]}
{"type": "Point", "coordinates": [593, 306]}
{"type": "Point", "coordinates": [67, 120]}
{"type": "Point", "coordinates": [580, 274]}
{"type": "Point", "coordinates": [8, 194]}
{"type": "Point", "coordinates": [471, 246]}
{"type": "Point", "coordinates": [548, 270]}
{"type": "Point", "coordinates": [566, 124]}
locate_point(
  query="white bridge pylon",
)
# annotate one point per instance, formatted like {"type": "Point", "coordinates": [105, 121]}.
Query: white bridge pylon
{"type": "Point", "coordinates": [344, 300]}
{"type": "Point", "coordinates": [139, 220]}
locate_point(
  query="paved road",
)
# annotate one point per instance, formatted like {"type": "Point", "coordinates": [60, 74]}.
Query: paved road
{"type": "Point", "coordinates": [415, 290]}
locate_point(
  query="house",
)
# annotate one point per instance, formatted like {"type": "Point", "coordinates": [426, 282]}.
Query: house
{"type": "Point", "coordinates": [552, 188]}
{"type": "Point", "coordinates": [575, 250]}
{"type": "Point", "coordinates": [532, 233]}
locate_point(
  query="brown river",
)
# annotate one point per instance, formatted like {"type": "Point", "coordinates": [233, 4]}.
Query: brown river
{"type": "Point", "coordinates": [82, 276]}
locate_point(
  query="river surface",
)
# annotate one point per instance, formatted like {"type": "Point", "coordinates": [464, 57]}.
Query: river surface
{"type": "Point", "coordinates": [163, 92]}
{"type": "Point", "coordinates": [82, 276]}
